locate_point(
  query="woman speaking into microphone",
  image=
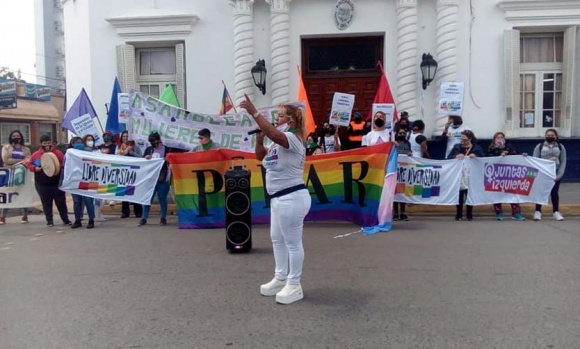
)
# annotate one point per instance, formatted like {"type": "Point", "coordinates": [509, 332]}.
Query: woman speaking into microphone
{"type": "Point", "coordinates": [289, 198]}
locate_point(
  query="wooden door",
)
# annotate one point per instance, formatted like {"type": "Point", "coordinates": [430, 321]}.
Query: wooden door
{"type": "Point", "coordinates": [321, 91]}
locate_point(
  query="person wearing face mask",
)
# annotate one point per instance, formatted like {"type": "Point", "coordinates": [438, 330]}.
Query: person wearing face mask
{"type": "Point", "coordinates": [89, 143]}
{"type": "Point", "coordinates": [312, 147]}
{"type": "Point", "coordinates": [109, 147]}
{"type": "Point", "coordinates": [402, 124]}
{"type": "Point", "coordinates": [14, 153]}
{"type": "Point", "coordinates": [158, 151]}
{"type": "Point", "coordinates": [81, 201]}
{"type": "Point", "coordinates": [205, 141]}
{"type": "Point", "coordinates": [329, 141]}
{"type": "Point", "coordinates": [355, 131]}
{"type": "Point", "coordinates": [452, 132]}
{"type": "Point", "coordinates": [128, 148]}
{"type": "Point", "coordinates": [289, 197]}
{"type": "Point", "coordinates": [552, 150]}
{"type": "Point", "coordinates": [467, 148]}
{"type": "Point", "coordinates": [380, 133]}
{"type": "Point", "coordinates": [47, 187]}
{"type": "Point", "coordinates": [499, 147]}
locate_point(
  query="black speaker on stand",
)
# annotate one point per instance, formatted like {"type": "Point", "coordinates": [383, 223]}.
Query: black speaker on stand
{"type": "Point", "coordinates": [238, 207]}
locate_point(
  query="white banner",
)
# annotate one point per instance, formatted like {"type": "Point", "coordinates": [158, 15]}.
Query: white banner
{"type": "Point", "coordinates": [427, 182]}
{"type": "Point", "coordinates": [389, 110]}
{"type": "Point", "coordinates": [16, 187]}
{"type": "Point", "coordinates": [510, 179]}
{"type": "Point", "coordinates": [110, 177]}
{"type": "Point", "coordinates": [178, 128]}
{"type": "Point", "coordinates": [123, 106]}
{"type": "Point", "coordinates": [451, 98]}
{"type": "Point", "coordinates": [85, 125]}
{"type": "Point", "coordinates": [342, 104]}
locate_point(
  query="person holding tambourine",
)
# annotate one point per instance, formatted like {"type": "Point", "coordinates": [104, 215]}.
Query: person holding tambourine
{"type": "Point", "coordinates": [46, 164]}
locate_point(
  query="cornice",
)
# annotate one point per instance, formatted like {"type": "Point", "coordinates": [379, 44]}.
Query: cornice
{"type": "Point", "coordinates": [541, 12]}
{"type": "Point", "coordinates": [153, 24]}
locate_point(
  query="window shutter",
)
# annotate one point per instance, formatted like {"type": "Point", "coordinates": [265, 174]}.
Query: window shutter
{"type": "Point", "coordinates": [511, 44]}
{"type": "Point", "coordinates": [180, 73]}
{"type": "Point", "coordinates": [126, 67]}
{"type": "Point", "coordinates": [568, 72]}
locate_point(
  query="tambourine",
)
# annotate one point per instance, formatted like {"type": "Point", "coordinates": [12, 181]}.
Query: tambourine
{"type": "Point", "coordinates": [50, 164]}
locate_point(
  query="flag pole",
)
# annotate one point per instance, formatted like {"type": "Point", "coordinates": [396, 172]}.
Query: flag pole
{"type": "Point", "coordinates": [231, 100]}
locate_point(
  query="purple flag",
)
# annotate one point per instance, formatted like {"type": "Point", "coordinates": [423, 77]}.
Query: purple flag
{"type": "Point", "coordinates": [80, 107]}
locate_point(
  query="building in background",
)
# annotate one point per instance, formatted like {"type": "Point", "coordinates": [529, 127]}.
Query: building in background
{"type": "Point", "coordinates": [50, 50]}
{"type": "Point", "coordinates": [33, 109]}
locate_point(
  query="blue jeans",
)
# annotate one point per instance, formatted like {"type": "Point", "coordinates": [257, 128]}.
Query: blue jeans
{"type": "Point", "coordinates": [78, 201]}
{"type": "Point", "coordinates": [162, 190]}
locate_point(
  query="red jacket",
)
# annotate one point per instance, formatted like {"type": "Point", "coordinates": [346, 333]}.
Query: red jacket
{"type": "Point", "coordinates": [40, 177]}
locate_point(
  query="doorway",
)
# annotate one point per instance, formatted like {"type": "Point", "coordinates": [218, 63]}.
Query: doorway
{"type": "Point", "coordinates": [346, 64]}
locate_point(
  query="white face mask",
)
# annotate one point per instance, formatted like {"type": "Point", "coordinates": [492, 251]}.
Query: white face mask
{"type": "Point", "coordinates": [90, 144]}
{"type": "Point", "coordinates": [283, 128]}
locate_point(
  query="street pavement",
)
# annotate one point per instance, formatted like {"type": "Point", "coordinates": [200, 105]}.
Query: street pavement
{"type": "Point", "coordinates": [430, 283]}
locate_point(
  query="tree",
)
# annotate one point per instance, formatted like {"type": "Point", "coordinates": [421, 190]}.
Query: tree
{"type": "Point", "coordinates": [6, 73]}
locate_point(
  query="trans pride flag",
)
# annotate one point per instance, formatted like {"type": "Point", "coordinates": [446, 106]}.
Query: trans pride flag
{"type": "Point", "coordinates": [345, 185]}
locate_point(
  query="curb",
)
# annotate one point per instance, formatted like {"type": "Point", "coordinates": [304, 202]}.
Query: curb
{"type": "Point", "coordinates": [419, 210]}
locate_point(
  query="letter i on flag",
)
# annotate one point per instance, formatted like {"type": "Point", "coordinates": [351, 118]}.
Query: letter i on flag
{"type": "Point", "coordinates": [227, 104]}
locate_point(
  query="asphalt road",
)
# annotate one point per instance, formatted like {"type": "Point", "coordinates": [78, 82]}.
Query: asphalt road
{"type": "Point", "coordinates": [430, 283]}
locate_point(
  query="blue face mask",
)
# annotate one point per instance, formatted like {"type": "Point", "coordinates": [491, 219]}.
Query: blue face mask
{"type": "Point", "coordinates": [79, 146]}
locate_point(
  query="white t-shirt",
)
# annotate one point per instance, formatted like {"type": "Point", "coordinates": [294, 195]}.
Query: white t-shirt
{"type": "Point", "coordinates": [376, 137]}
{"type": "Point", "coordinates": [284, 167]}
{"type": "Point", "coordinates": [416, 139]}
{"type": "Point", "coordinates": [329, 143]}
{"type": "Point", "coordinates": [454, 137]}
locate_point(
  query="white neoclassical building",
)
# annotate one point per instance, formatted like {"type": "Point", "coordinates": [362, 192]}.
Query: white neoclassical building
{"type": "Point", "coordinates": [517, 58]}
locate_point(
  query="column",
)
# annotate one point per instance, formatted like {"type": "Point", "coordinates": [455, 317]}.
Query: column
{"type": "Point", "coordinates": [280, 50]}
{"type": "Point", "coordinates": [243, 48]}
{"type": "Point", "coordinates": [446, 55]}
{"type": "Point", "coordinates": [407, 61]}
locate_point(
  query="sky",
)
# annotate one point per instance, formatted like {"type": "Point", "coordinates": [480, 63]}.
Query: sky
{"type": "Point", "coordinates": [18, 49]}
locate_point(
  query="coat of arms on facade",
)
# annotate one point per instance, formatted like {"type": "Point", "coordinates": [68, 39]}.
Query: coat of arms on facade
{"type": "Point", "coordinates": [343, 13]}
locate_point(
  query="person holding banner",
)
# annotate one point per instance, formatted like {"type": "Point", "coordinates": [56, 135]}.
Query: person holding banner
{"type": "Point", "coordinates": [155, 151]}
{"type": "Point", "coordinates": [498, 147]}
{"type": "Point", "coordinates": [12, 154]}
{"type": "Point", "coordinates": [467, 148]}
{"type": "Point", "coordinates": [418, 141]}
{"type": "Point", "coordinates": [128, 148]}
{"type": "Point", "coordinates": [403, 148]}
{"type": "Point", "coordinates": [47, 183]}
{"type": "Point", "coordinates": [552, 150]}
{"type": "Point", "coordinates": [289, 198]}
{"type": "Point", "coordinates": [81, 201]}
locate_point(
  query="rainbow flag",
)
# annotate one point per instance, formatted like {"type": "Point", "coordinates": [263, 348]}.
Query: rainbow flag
{"type": "Point", "coordinates": [345, 185]}
{"type": "Point", "coordinates": [227, 104]}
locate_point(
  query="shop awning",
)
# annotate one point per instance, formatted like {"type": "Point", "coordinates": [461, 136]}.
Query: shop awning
{"type": "Point", "coordinates": [32, 111]}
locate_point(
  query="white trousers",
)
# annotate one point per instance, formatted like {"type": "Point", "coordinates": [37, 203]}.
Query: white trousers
{"type": "Point", "coordinates": [286, 225]}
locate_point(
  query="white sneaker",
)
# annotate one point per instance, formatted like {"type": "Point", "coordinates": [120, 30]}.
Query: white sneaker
{"type": "Point", "coordinates": [537, 216]}
{"type": "Point", "coordinates": [289, 294]}
{"type": "Point", "coordinates": [272, 288]}
{"type": "Point", "coordinates": [558, 216]}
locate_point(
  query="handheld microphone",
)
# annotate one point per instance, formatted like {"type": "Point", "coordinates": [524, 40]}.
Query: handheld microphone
{"type": "Point", "coordinates": [256, 131]}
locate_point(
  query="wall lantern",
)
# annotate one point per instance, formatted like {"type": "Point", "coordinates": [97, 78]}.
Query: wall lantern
{"type": "Point", "coordinates": [259, 75]}
{"type": "Point", "coordinates": [428, 69]}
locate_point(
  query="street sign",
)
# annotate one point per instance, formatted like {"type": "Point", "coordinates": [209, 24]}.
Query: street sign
{"type": "Point", "coordinates": [8, 102]}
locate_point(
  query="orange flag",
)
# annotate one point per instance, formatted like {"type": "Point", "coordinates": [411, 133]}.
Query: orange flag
{"type": "Point", "coordinates": [302, 97]}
